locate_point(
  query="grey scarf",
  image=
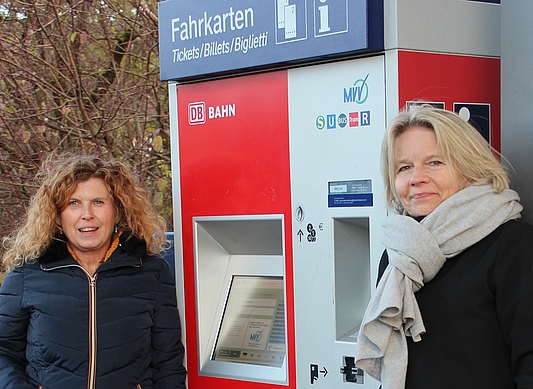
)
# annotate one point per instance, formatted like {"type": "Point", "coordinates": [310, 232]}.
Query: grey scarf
{"type": "Point", "coordinates": [416, 252]}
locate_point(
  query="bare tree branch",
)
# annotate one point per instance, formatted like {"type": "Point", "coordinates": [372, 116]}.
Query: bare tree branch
{"type": "Point", "coordinates": [80, 76]}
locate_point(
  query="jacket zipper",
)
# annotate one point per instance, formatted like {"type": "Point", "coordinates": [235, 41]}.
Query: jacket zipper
{"type": "Point", "coordinates": [91, 383]}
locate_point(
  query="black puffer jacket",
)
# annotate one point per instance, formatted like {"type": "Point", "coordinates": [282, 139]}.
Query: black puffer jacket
{"type": "Point", "coordinates": [61, 328]}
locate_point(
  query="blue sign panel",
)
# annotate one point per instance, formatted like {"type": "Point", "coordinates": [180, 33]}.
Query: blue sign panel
{"type": "Point", "coordinates": [204, 38]}
{"type": "Point", "coordinates": [352, 193]}
{"type": "Point", "coordinates": [169, 253]}
{"type": "Point", "coordinates": [351, 200]}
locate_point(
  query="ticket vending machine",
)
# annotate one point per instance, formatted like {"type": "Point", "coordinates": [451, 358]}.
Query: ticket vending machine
{"type": "Point", "coordinates": [277, 113]}
{"type": "Point", "coordinates": [281, 210]}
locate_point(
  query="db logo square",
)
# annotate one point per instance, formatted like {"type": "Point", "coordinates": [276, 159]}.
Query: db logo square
{"type": "Point", "coordinates": [197, 113]}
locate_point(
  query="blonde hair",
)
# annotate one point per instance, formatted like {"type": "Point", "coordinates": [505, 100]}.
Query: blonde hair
{"type": "Point", "coordinates": [59, 177]}
{"type": "Point", "coordinates": [462, 146]}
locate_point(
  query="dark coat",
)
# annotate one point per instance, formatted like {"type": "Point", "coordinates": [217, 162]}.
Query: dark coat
{"type": "Point", "coordinates": [45, 321]}
{"type": "Point", "coordinates": [478, 314]}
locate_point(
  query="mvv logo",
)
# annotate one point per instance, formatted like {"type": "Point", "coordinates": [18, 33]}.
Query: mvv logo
{"type": "Point", "coordinates": [358, 93]}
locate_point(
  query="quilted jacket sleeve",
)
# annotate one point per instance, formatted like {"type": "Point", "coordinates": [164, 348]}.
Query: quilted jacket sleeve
{"type": "Point", "coordinates": [13, 327]}
{"type": "Point", "coordinates": [167, 348]}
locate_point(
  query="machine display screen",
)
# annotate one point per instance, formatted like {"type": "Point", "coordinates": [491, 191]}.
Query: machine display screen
{"type": "Point", "coordinates": [252, 329]}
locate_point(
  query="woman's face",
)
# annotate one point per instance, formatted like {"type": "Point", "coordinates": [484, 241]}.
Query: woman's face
{"type": "Point", "coordinates": [88, 220]}
{"type": "Point", "coordinates": [423, 180]}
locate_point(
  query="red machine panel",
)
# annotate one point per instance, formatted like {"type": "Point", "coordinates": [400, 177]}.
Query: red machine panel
{"type": "Point", "coordinates": [234, 160]}
{"type": "Point", "coordinates": [455, 80]}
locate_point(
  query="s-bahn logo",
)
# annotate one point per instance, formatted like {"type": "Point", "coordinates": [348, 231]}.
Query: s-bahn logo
{"type": "Point", "coordinates": [199, 113]}
{"type": "Point", "coordinates": [358, 92]}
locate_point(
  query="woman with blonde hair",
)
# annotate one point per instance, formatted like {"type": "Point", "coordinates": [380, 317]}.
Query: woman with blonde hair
{"type": "Point", "coordinates": [452, 306]}
{"type": "Point", "coordinates": [88, 301]}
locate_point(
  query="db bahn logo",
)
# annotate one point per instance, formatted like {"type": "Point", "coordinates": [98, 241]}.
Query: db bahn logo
{"type": "Point", "coordinates": [197, 113]}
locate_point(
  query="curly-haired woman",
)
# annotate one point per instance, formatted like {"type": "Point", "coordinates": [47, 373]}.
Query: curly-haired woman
{"type": "Point", "coordinates": [88, 301]}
